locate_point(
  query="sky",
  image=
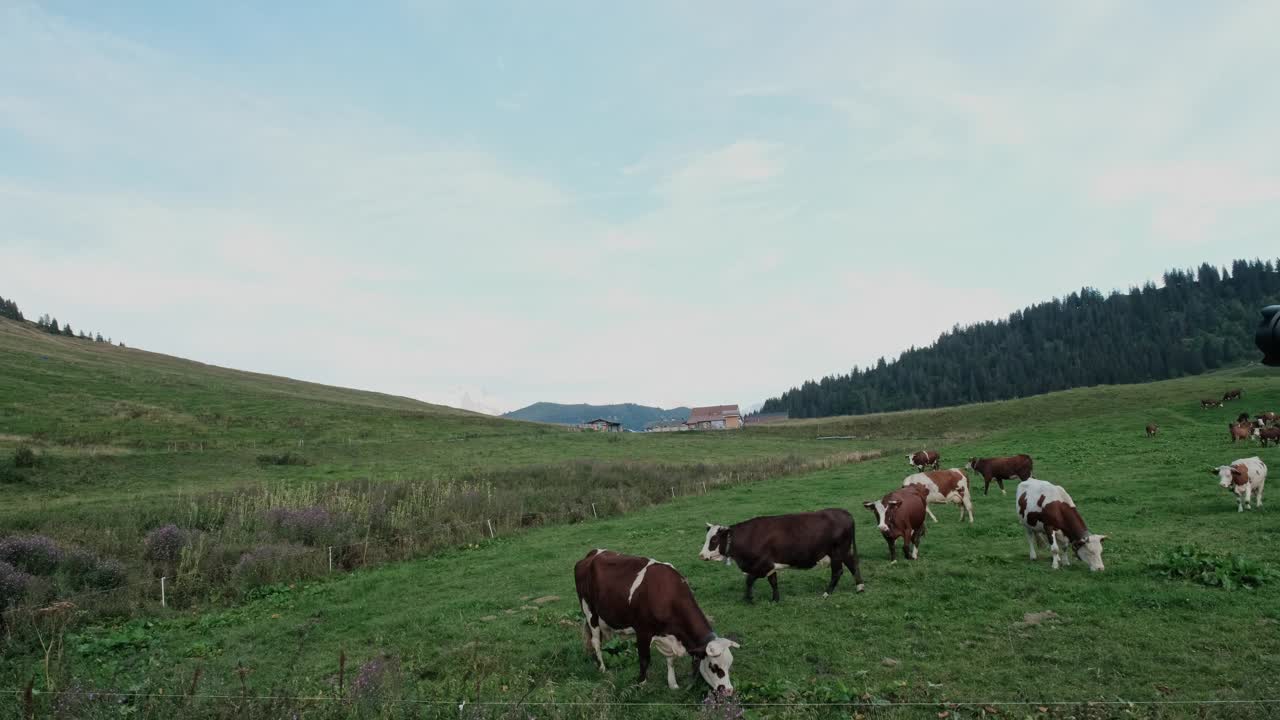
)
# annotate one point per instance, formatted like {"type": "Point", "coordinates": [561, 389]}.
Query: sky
{"type": "Point", "coordinates": [490, 204]}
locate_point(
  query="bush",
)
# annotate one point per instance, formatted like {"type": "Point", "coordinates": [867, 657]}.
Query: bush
{"type": "Point", "coordinates": [163, 545]}
{"type": "Point", "coordinates": [268, 564]}
{"type": "Point", "coordinates": [35, 554]}
{"type": "Point", "coordinates": [285, 459]}
{"type": "Point", "coordinates": [13, 585]}
{"type": "Point", "coordinates": [1213, 570]}
{"type": "Point", "coordinates": [310, 526]}
{"type": "Point", "coordinates": [24, 457]}
{"type": "Point", "coordinates": [86, 571]}
{"type": "Point", "coordinates": [11, 476]}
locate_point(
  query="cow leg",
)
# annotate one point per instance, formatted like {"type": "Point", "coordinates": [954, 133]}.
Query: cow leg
{"type": "Point", "coordinates": [751, 580]}
{"type": "Point", "coordinates": [851, 562]}
{"type": "Point", "coordinates": [1000, 481]}
{"type": "Point", "coordinates": [644, 642]}
{"type": "Point", "coordinates": [1239, 503]}
{"type": "Point", "coordinates": [986, 484]}
{"type": "Point", "coordinates": [837, 569]}
{"type": "Point", "coordinates": [1259, 497]}
{"type": "Point", "coordinates": [1248, 497]}
{"type": "Point", "coordinates": [931, 515]}
{"type": "Point", "coordinates": [1031, 542]}
{"type": "Point", "coordinates": [1066, 547]}
{"type": "Point", "coordinates": [893, 552]}
{"type": "Point", "coordinates": [773, 583]}
{"type": "Point", "coordinates": [967, 504]}
{"type": "Point", "coordinates": [1053, 546]}
{"type": "Point", "coordinates": [595, 642]}
{"type": "Point", "coordinates": [916, 537]}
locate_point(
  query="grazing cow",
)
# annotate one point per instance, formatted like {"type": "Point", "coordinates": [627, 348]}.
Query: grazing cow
{"type": "Point", "coordinates": [1049, 513]}
{"type": "Point", "coordinates": [1210, 403]}
{"type": "Point", "coordinates": [1244, 478]}
{"type": "Point", "coordinates": [1001, 469]}
{"type": "Point", "coordinates": [1267, 418]}
{"type": "Point", "coordinates": [1239, 431]}
{"type": "Point", "coordinates": [900, 514]}
{"type": "Point", "coordinates": [1265, 435]}
{"type": "Point", "coordinates": [1152, 429]}
{"type": "Point", "coordinates": [762, 546]}
{"type": "Point", "coordinates": [1232, 394]}
{"type": "Point", "coordinates": [925, 459]}
{"type": "Point", "coordinates": [624, 593]}
{"type": "Point", "coordinates": [944, 486]}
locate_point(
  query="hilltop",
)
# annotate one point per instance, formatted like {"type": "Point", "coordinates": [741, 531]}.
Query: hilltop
{"type": "Point", "coordinates": [632, 416]}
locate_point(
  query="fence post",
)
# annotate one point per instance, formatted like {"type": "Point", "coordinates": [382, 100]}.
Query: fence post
{"type": "Point", "coordinates": [330, 558]}
{"type": "Point", "coordinates": [704, 487]}
{"type": "Point", "coordinates": [673, 493]}
{"type": "Point", "coordinates": [593, 511]}
{"type": "Point", "coordinates": [163, 603]}
{"type": "Point", "coordinates": [490, 524]}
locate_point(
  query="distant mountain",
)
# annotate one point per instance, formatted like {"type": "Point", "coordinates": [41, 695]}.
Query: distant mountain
{"type": "Point", "coordinates": [632, 416]}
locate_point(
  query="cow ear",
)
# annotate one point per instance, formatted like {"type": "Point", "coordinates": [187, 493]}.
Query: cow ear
{"type": "Point", "coordinates": [1213, 471]}
{"type": "Point", "coordinates": [733, 644]}
{"type": "Point", "coordinates": [1102, 538]}
{"type": "Point", "coordinates": [869, 505]}
{"type": "Point", "coordinates": [709, 525]}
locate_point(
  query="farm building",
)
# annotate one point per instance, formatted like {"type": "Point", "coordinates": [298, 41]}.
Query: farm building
{"type": "Point", "coordinates": [602, 425]}
{"type": "Point", "coordinates": [715, 417]}
{"type": "Point", "coordinates": [666, 426]}
{"type": "Point", "coordinates": [765, 418]}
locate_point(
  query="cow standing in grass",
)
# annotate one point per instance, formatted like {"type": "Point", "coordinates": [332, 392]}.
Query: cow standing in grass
{"type": "Point", "coordinates": [1232, 394]}
{"type": "Point", "coordinates": [762, 546]}
{"type": "Point", "coordinates": [1048, 512]}
{"type": "Point", "coordinates": [900, 514]}
{"type": "Point", "coordinates": [925, 459]}
{"type": "Point", "coordinates": [624, 593]}
{"type": "Point", "coordinates": [1001, 469]}
{"type": "Point", "coordinates": [1239, 431]}
{"type": "Point", "coordinates": [944, 486]}
{"type": "Point", "coordinates": [1245, 478]}
{"type": "Point", "coordinates": [1208, 403]}
{"type": "Point", "coordinates": [1152, 429]}
{"type": "Point", "coordinates": [1267, 434]}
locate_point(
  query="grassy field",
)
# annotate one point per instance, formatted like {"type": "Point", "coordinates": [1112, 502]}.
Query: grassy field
{"type": "Point", "coordinates": [496, 620]}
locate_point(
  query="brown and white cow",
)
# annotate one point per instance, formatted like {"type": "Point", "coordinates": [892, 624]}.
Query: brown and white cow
{"type": "Point", "coordinates": [1232, 394]}
{"type": "Point", "coordinates": [1266, 418]}
{"type": "Point", "coordinates": [1048, 512]}
{"type": "Point", "coordinates": [1239, 431]}
{"type": "Point", "coordinates": [762, 546]}
{"type": "Point", "coordinates": [1267, 435]}
{"type": "Point", "coordinates": [624, 593]}
{"type": "Point", "coordinates": [924, 459]}
{"type": "Point", "coordinates": [900, 514]}
{"type": "Point", "coordinates": [1001, 469]}
{"type": "Point", "coordinates": [1244, 478]}
{"type": "Point", "coordinates": [1152, 429]}
{"type": "Point", "coordinates": [1210, 403]}
{"type": "Point", "coordinates": [944, 486]}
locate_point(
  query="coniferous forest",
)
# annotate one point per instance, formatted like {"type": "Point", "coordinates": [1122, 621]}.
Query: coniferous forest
{"type": "Point", "coordinates": [1198, 321]}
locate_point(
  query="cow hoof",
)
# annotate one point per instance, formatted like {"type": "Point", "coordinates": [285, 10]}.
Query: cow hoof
{"type": "Point", "coordinates": [861, 587]}
{"type": "Point", "coordinates": [826, 595]}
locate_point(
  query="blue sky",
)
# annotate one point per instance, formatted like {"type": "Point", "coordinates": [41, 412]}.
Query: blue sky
{"type": "Point", "coordinates": [490, 204]}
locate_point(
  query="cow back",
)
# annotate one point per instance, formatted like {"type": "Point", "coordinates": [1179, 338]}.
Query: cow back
{"type": "Point", "coordinates": [798, 540]}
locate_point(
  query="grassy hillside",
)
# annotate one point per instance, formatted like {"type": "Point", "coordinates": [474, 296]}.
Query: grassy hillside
{"type": "Point", "coordinates": [496, 620]}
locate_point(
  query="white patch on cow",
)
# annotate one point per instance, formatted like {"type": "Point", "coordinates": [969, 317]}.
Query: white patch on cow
{"type": "Point", "coordinates": [635, 585]}
{"type": "Point", "coordinates": [714, 668]}
{"type": "Point", "coordinates": [671, 648]}
{"type": "Point", "coordinates": [707, 553]}
{"type": "Point", "coordinates": [776, 567]}
{"type": "Point", "coordinates": [879, 509]}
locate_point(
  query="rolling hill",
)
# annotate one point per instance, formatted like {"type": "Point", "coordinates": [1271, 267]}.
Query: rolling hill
{"type": "Point", "coordinates": [632, 416]}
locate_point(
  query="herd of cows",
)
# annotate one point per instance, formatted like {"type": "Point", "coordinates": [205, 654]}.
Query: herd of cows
{"type": "Point", "coordinates": [630, 594]}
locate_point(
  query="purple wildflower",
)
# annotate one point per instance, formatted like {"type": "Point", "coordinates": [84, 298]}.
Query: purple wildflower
{"type": "Point", "coordinates": [35, 554]}
{"type": "Point", "coordinates": [164, 544]}
{"type": "Point", "coordinates": [13, 584]}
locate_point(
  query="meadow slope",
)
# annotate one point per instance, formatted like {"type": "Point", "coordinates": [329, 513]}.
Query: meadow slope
{"type": "Point", "coordinates": [497, 621]}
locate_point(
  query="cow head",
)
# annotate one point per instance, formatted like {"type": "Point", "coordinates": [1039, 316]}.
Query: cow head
{"type": "Point", "coordinates": [1230, 476]}
{"type": "Point", "coordinates": [911, 460]}
{"type": "Point", "coordinates": [972, 464]}
{"type": "Point", "coordinates": [714, 665]}
{"type": "Point", "coordinates": [1089, 550]}
{"type": "Point", "coordinates": [716, 545]}
{"type": "Point", "coordinates": [881, 509]}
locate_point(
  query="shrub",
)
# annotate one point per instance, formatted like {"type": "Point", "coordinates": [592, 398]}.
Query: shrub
{"type": "Point", "coordinates": [310, 526]}
{"type": "Point", "coordinates": [267, 564]}
{"type": "Point", "coordinates": [284, 459]}
{"type": "Point", "coordinates": [1227, 571]}
{"type": "Point", "coordinates": [35, 554]}
{"type": "Point", "coordinates": [163, 545]}
{"type": "Point", "coordinates": [11, 476]}
{"type": "Point", "coordinates": [13, 585]}
{"type": "Point", "coordinates": [86, 571]}
{"type": "Point", "coordinates": [24, 457]}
